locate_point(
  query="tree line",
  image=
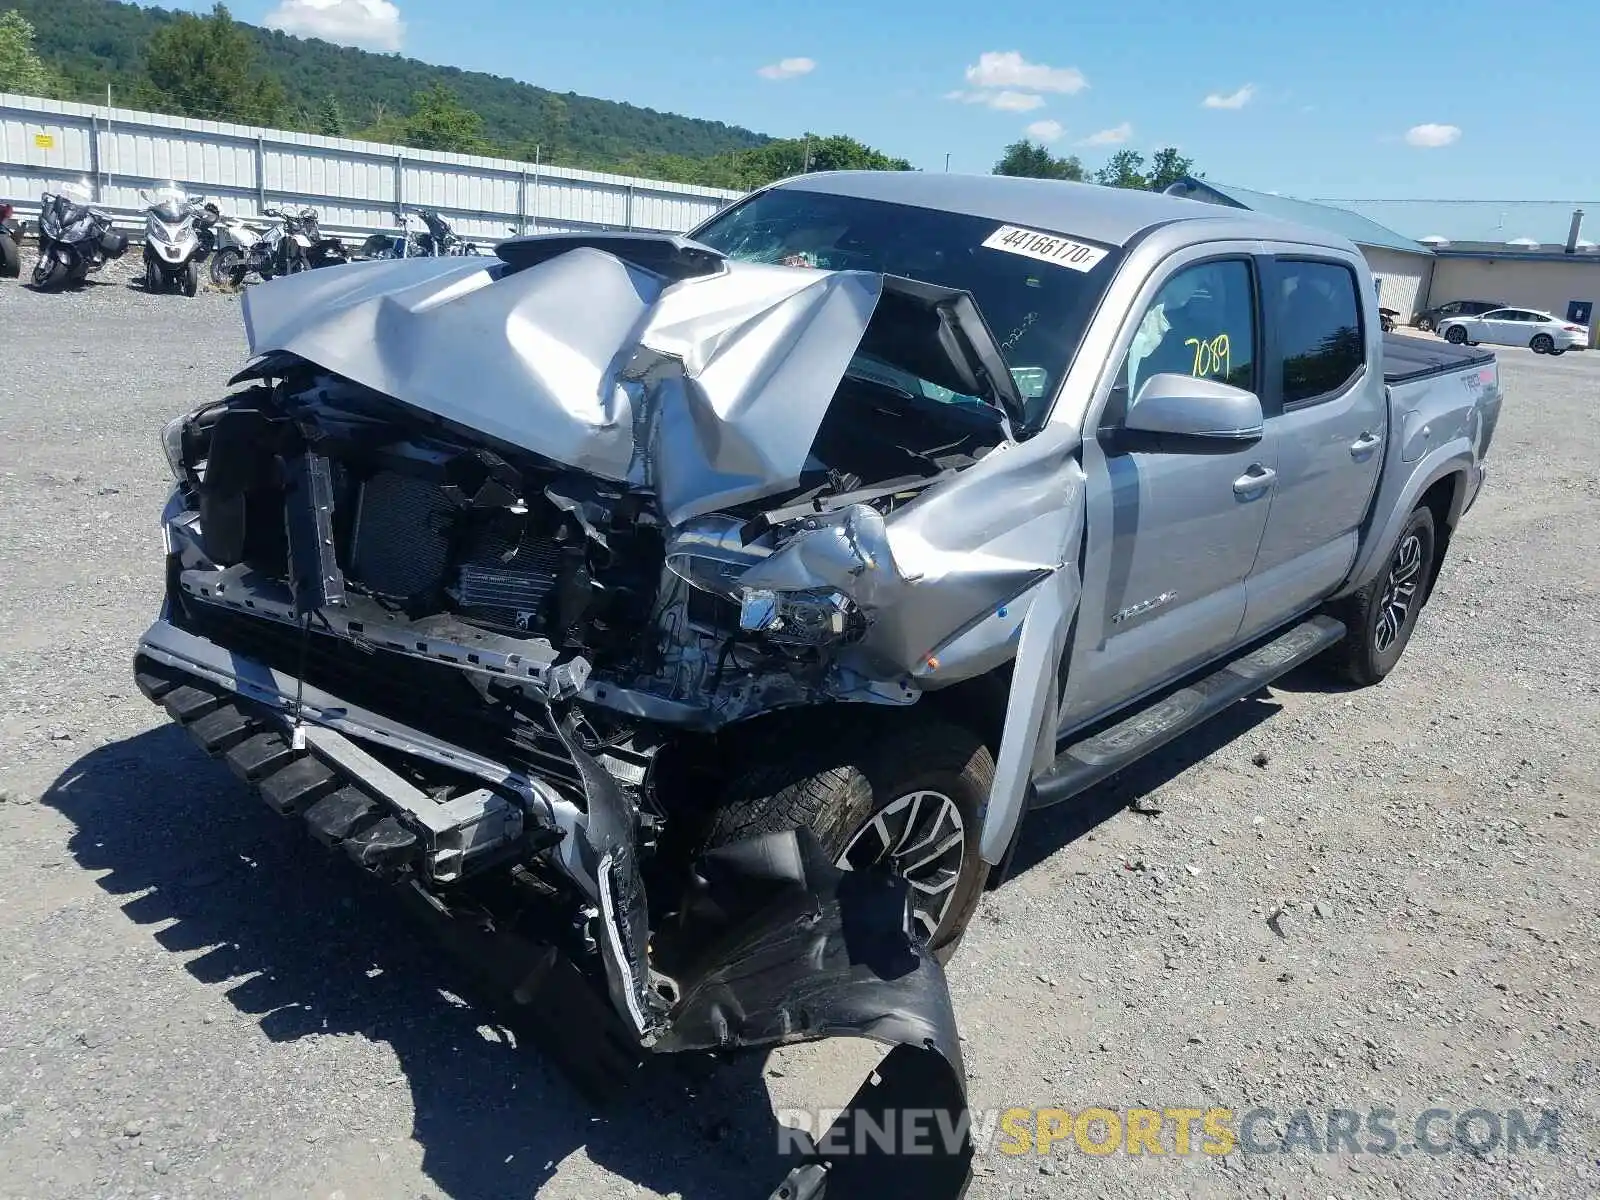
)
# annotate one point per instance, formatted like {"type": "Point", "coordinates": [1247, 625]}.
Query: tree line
{"type": "Point", "coordinates": [1124, 169]}
{"type": "Point", "coordinates": [215, 68]}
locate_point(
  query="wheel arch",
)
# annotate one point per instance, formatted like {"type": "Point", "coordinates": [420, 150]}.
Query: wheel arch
{"type": "Point", "coordinates": [1442, 484]}
{"type": "Point", "coordinates": [1445, 497]}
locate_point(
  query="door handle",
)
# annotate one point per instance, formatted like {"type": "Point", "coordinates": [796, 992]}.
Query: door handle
{"type": "Point", "coordinates": [1256, 479]}
{"type": "Point", "coordinates": [1365, 444]}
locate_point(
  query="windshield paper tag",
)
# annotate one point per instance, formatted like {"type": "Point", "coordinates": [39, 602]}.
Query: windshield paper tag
{"type": "Point", "coordinates": [1046, 247]}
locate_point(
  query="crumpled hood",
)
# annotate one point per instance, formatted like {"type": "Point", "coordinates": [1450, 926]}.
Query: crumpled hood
{"type": "Point", "coordinates": [707, 390]}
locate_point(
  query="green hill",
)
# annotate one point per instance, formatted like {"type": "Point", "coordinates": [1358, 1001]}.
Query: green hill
{"type": "Point", "coordinates": [92, 43]}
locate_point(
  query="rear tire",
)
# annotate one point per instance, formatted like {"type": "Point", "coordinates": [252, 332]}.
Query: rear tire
{"type": "Point", "coordinates": [880, 791]}
{"type": "Point", "coordinates": [1381, 616]}
{"type": "Point", "coordinates": [10, 257]}
{"type": "Point", "coordinates": [226, 268]}
{"type": "Point", "coordinates": [1542, 343]}
{"type": "Point", "coordinates": [1455, 335]}
{"type": "Point", "coordinates": [1425, 324]}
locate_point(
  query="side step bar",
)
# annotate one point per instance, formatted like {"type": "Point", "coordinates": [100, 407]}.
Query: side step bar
{"type": "Point", "coordinates": [1083, 764]}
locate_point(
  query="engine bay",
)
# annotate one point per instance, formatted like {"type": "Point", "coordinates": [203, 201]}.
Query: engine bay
{"type": "Point", "coordinates": [326, 508]}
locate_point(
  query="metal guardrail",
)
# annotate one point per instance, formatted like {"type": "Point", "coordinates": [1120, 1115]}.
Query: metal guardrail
{"type": "Point", "coordinates": [357, 186]}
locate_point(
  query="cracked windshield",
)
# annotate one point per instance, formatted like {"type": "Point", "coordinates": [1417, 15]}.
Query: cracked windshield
{"type": "Point", "coordinates": [1036, 305]}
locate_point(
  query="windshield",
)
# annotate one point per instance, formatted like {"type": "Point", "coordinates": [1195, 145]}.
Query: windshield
{"type": "Point", "coordinates": [168, 202]}
{"type": "Point", "coordinates": [1036, 307]}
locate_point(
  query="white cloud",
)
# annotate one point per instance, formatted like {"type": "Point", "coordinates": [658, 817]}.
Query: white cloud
{"type": "Point", "coordinates": [787, 68]}
{"type": "Point", "coordinates": [375, 24]}
{"type": "Point", "coordinates": [1006, 101]}
{"type": "Point", "coordinates": [1046, 131]}
{"type": "Point", "coordinates": [1430, 136]}
{"type": "Point", "coordinates": [1236, 99]}
{"type": "Point", "coordinates": [1114, 136]}
{"type": "Point", "coordinates": [1008, 69]}
{"type": "Point", "coordinates": [1015, 101]}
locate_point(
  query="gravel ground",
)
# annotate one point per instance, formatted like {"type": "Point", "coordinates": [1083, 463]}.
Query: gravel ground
{"type": "Point", "coordinates": [1325, 899]}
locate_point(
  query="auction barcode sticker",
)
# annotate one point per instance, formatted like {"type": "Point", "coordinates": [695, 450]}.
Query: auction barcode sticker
{"type": "Point", "coordinates": [1046, 247]}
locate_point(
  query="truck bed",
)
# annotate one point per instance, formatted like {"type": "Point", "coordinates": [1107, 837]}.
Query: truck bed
{"type": "Point", "coordinates": [1410, 358]}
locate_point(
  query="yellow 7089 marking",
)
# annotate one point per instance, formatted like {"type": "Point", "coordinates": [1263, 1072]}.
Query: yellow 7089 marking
{"type": "Point", "coordinates": [1210, 357]}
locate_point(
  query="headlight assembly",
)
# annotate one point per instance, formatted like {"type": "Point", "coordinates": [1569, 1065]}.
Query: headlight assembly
{"type": "Point", "coordinates": [172, 447]}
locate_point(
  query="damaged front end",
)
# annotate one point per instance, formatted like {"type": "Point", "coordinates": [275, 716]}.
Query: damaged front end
{"type": "Point", "coordinates": [472, 578]}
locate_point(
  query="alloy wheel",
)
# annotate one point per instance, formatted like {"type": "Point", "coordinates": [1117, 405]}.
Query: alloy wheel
{"type": "Point", "coordinates": [922, 838]}
{"type": "Point", "coordinates": [1399, 590]}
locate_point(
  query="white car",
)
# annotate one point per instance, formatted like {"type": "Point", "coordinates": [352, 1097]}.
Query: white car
{"type": "Point", "coordinates": [1539, 331]}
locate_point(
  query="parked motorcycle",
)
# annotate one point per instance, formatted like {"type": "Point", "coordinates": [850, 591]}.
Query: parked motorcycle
{"type": "Point", "coordinates": [293, 244]}
{"type": "Point", "coordinates": [10, 244]}
{"type": "Point", "coordinates": [328, 252]}
{"type": "Point", "coordinates": [173, 249]}
{"type": "Point", "coordinates": [439, 240]}
{"type": "Point", "coordinates": [233, 241]}
{"type": "Point", "coordinates": [75, 238]}
{"type": "Point", "coordinates": [1387, 319]}
{"type": "Point", "coordinates": [284, 248]}
{"type": "Point", "coordinates": [324, 251]}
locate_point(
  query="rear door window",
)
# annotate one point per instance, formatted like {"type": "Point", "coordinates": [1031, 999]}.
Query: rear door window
{"type": "Point", "coordinates": [1317, 310]}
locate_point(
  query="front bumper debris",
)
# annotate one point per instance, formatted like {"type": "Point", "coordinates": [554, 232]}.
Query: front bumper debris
{"type": "Point", "coordinates": [772, 945]}
{"type": "Point", "coordinates": [793, 949]}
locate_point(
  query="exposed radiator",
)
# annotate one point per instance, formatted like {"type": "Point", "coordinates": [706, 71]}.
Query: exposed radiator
{"type": "Point", "coordinates": [401, 541]}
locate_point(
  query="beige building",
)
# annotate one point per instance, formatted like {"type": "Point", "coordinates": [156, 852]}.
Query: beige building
{"type": "Point", "coordinates": [1544, 278]}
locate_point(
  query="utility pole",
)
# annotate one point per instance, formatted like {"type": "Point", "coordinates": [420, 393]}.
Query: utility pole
{"type": "Point", "coordinates": [805, 164]}
{"type": "Point", "coordinates": [947, 162]}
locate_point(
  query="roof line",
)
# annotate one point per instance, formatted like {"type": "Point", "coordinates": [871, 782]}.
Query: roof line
{"type": "Point", "coordinates": [1356, 227]}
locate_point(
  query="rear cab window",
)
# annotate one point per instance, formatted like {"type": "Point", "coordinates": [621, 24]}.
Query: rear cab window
{"type": "Point", "coordinates": [1317, 312]}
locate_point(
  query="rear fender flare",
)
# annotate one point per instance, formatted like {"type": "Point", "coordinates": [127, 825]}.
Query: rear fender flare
{"type": "Point", "coordinates": [1453, 458]}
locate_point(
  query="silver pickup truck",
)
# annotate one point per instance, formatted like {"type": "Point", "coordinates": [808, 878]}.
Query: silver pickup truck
{"type": "Point", "coordinates": [686, 625]}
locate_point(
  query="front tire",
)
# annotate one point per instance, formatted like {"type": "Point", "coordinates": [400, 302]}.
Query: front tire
{"type": "Point", "coordinates": [10, 257]}
{"type": "Point", "coordinates": [191, 278]}
{"type": "Point", "coordinates": [50, 275]}
{"type": "Point", "coordinates": [1455, 335]}
{"type": "Point", "coordinates": [1381, 616]}
{"type": "Point", "coordinates": [1542, 344]}
{"type": "Point", "coordinates": [1425, 324]}
{"type": "Point", "coordinates": [899, 792]}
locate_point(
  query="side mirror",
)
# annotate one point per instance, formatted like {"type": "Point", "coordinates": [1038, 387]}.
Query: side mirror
{"type": "Point", "coordinates": [1187, 406]}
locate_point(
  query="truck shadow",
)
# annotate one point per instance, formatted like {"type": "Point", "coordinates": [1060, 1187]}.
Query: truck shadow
{"type": "Point", "coordinates": [307, 946]}
{"type": "Point", "coordinates": [1049, 830]}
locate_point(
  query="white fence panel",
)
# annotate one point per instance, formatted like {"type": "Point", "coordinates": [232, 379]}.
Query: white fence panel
{"type": "Point", "coordinates": [358, 187]}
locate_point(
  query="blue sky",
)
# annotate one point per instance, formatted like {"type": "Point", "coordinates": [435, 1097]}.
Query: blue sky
{"type": "Point", "coordinates": [1357, 99]}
